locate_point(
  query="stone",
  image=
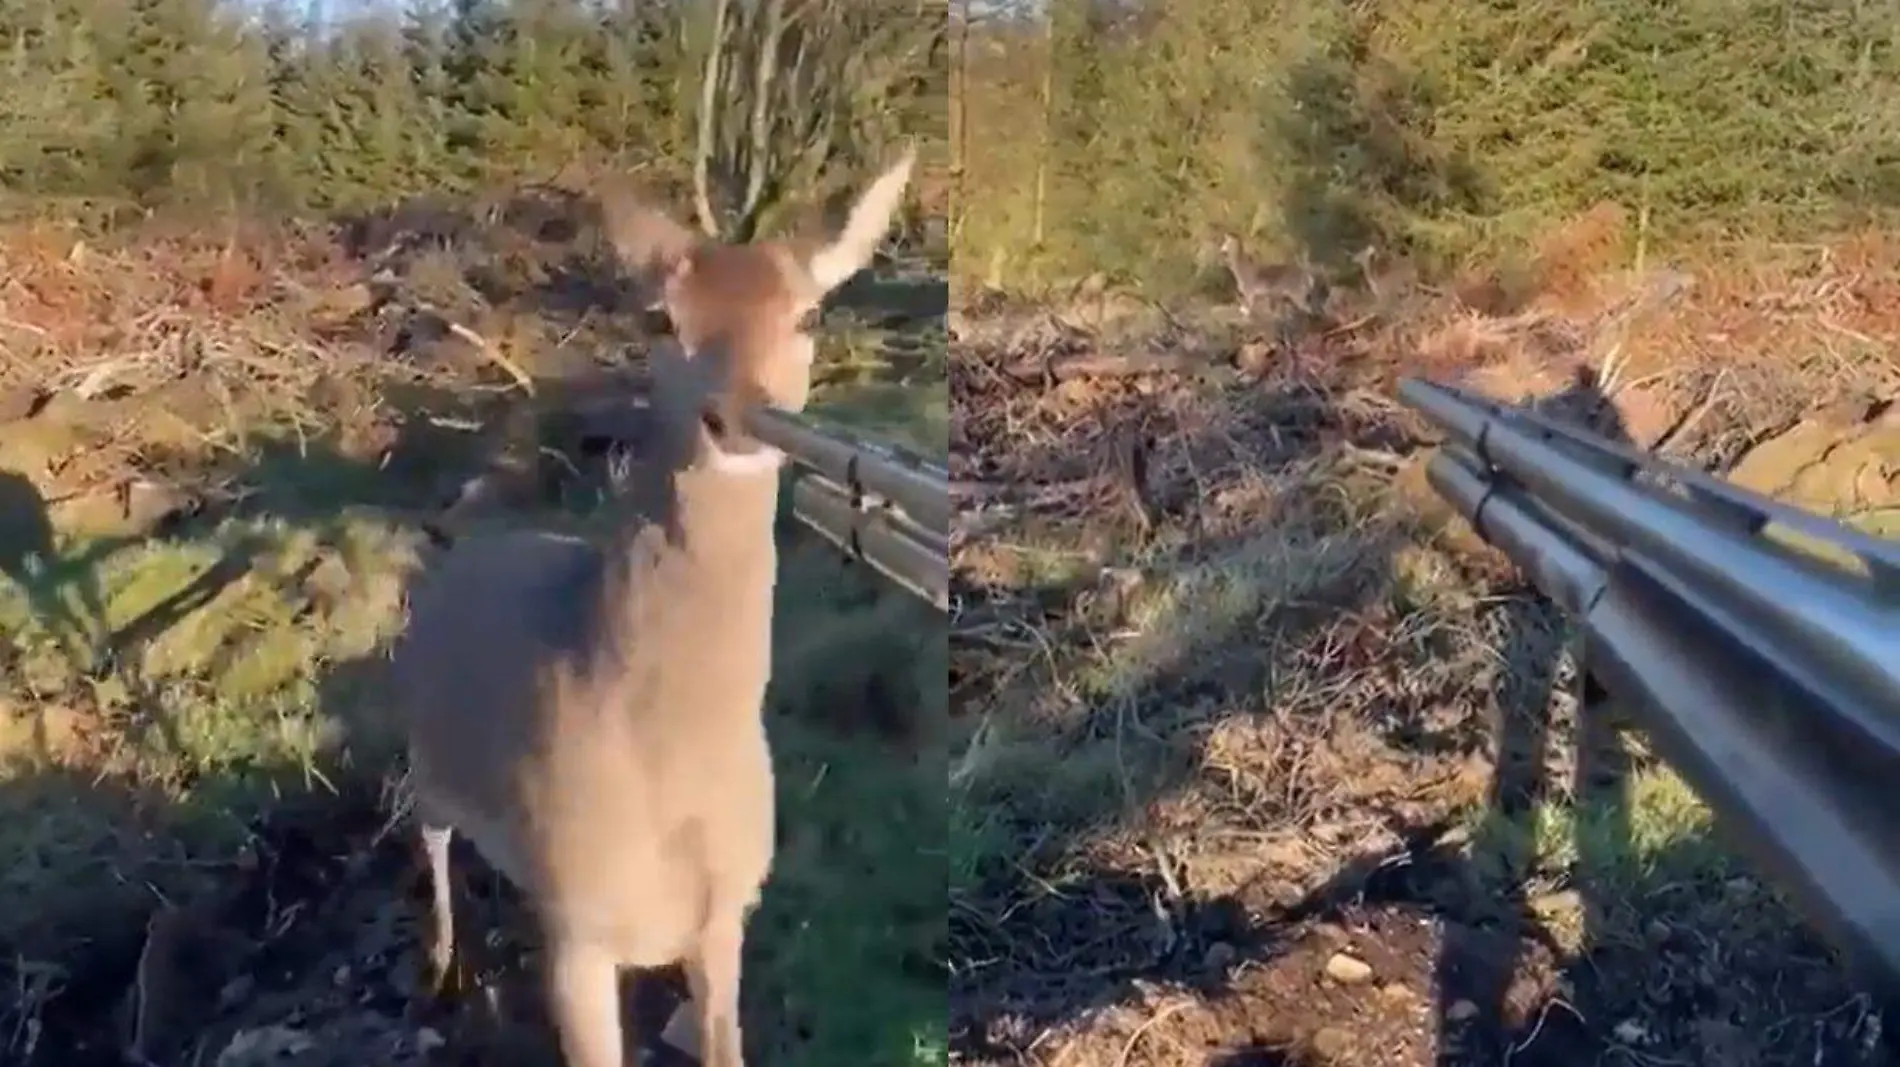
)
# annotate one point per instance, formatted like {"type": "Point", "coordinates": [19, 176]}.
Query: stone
{"type": "Point", "coordinates": [1331, 1043]}
{"type": "Point", "coordinates": [1840, 463]}
{"type": "Point", "coordinates": [1220, 956]}
{"type": "Point", "coordinates": [1348, 970]}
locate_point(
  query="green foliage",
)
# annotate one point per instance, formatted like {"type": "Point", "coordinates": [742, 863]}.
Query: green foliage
{"type": "Point", "coordinates": [1120, 140]}
{"type": "Point", "coordinates": [227, 103]}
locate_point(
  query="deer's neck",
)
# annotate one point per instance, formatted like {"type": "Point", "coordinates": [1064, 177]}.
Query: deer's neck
{"type": "Point", "coordinates": [724, 518]}
{"type": "Point", "coordinates": [708, 550]}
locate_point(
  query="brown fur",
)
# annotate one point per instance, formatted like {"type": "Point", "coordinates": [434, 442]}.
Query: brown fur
{"type": "Point", "coordinates": [1364, 259]}
{"type": "Point", "coordinates": [1263, 287]}
{"type": "Point", "coordinates": [590, 716]}
{"type": "Point", "coordinates": [1385, 280]}
{"type": "Point", "coordinates": [647, 243]}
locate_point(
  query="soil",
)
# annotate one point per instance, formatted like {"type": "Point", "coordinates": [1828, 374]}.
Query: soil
{"type": "Point", "coordinates": [307, 960]}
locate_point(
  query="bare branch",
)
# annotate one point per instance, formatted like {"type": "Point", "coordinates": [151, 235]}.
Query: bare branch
{"type": "Point", "coordinates": [798, 87]}
{"type": "Point", "coordinates": [708, 126]}
{"type": "Point", "coordinates": [771, 41]}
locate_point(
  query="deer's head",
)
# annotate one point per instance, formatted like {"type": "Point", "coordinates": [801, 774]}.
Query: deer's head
{"type": "Point", "coordinates": [740, 315]}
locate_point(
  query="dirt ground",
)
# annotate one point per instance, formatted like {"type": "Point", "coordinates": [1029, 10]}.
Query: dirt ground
{"type": "Point", "coordinates": [1265, 759]}
{"type": "Point", "coordinates": [223, 451]}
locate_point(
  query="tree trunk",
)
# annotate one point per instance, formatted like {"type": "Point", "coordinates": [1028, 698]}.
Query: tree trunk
{"type": "Point", "coordinates": [765, 78]}
{"type": "Point", "coordinates": [1040, 214]}
{"type": "Point", "coordinates": [961, 117]}
{"type": "Point", "coordinates": [708, 144]}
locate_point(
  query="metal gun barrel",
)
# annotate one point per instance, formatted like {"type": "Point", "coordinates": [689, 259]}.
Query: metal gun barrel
{"type": "Point", "coordinates": [1769, 677]}
{"type": "Point", "coordinates": [875, 502]}
{"type": "Point", "coordinates": [1845, 622]}
{"type": "Point", "coordinates": [888, 541]}
{"type": "Point", "coordinates": [920, 488]}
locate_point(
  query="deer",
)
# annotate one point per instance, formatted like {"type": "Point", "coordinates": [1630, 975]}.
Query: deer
{"type": "Point", "coordinates": [1270, 286]}
{"type": "Point", "coordinates": [1389, 284]}
{"type": "Point", "coordinates": [590, 715]}
{"type": "Point", "coordinates": [1273, 288]}
{"type": "Point", "coordinates": [1364, 259]}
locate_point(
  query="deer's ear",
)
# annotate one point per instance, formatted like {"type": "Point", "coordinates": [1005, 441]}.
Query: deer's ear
{"type": "Point", "coordinates": [851, 251]}
{"type": "Point", "coordinates": [650, 244]}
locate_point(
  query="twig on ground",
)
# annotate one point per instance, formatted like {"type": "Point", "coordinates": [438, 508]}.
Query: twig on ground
{"type": "Point", "coordinates": [1354, 326]}
{"type": "Point", "coordinates": [1135, 1038]}
{"type": "Point", "coordinates": [1101, 365]}
{"type": "Point", "coordinates": [493, 353]}
{"type": "Point", "coordinates": [1694, 416]}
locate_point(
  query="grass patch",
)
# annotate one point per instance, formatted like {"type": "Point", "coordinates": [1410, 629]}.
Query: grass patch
{"type": "Point", "coordinates": [208, 710]}
{"type": "Point", "coordinates": [850, 937]}
{"type": "Point", "coordinates": [1601, 872]}
{"type": "Point", "coordinates": [1647, 837]}
{"type": "Point", "coordinates": [849, 943]}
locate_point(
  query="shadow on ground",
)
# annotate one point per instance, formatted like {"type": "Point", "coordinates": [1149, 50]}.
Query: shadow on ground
{"type": "Point", "coordinates": [1133, 844]}
{"type": "Point", "coordinates": [1203, 605]}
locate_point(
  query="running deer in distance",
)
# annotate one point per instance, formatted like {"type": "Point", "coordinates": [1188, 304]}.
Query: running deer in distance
{"type": "Point", "coordinates": [1270, 287]}
{"type": "Point", "coordinates": [1388, 279]}
{"type": "Point", "coordinates": [590, 715]}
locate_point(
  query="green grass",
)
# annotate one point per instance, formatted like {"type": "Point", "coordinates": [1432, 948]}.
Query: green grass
{"type": "Point", "coordinates": [1628, 844]}
{"type": "Point", "coordinates": [850, 934]}
{"type": "Point", "coordinates": [1623, 861]}
{"type": "Point", "coordinates": [122, 783]}
{"type": "Point", "coordinates": [853, 925]}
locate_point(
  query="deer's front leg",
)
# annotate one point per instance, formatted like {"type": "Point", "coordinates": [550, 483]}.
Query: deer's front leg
{"type": "Point", "coordinates": [584, 998]}
{"type": "Point", "coordinates": [713, 975]}
{"type": "Point", "coordinates": [436, 841]}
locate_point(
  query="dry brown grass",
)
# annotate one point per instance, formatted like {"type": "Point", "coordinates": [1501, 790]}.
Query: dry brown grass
{"type": "Point", "coordinates": [1237, 695]}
